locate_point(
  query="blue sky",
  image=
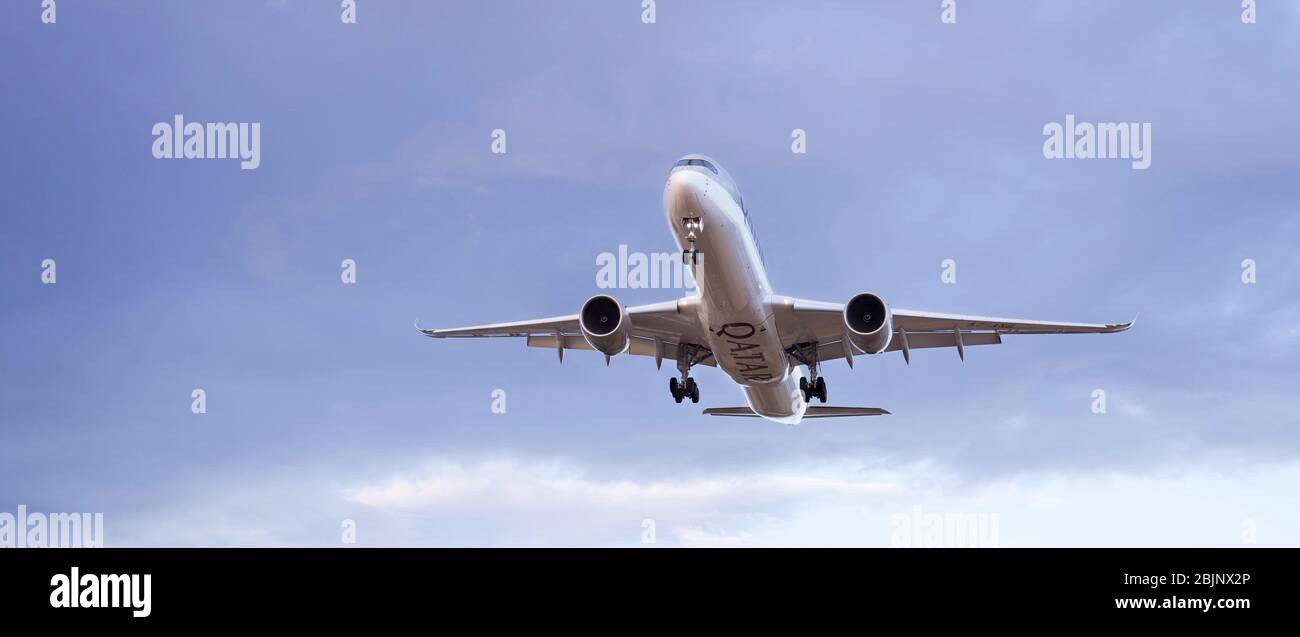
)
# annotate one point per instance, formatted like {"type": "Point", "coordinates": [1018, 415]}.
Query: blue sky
{"type": "Point", "coordinates": [924, 144]}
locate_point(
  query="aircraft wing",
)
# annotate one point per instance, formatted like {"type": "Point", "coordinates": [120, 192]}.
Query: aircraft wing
{"type": "Point", "coordinates": [656, 330]}
{"type": "Point", "coordinates": [823, 323]}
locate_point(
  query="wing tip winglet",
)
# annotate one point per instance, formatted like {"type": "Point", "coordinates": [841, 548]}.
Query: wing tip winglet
{"type": "Point", "coordinates": [1123, 327]}
{"type": "Point", "coordinates": [422, 330]}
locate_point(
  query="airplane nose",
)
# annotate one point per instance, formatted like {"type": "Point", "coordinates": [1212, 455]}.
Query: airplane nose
{"type": "Point", "coordinates": [685, 192]}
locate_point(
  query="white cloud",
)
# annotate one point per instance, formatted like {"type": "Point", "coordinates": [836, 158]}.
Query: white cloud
{"type": "Point", "coordinates": [571, 507]}
{"type": "Point", "coordinates": [836, 504]}
{"type": "Point", "coordinates": [530, 502]}
{"type": "Point", "coordinates": [514, 484]}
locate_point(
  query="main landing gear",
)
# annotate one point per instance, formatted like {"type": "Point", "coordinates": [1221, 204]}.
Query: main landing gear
{"type": "Point", "coordinates": [688, 355]}
{"type": "Point", "coordinates": [815, 390]}
{"type": "Point", "coordinates": [685, 389]}
{"type": "Point", "coordinates": [806, 353]}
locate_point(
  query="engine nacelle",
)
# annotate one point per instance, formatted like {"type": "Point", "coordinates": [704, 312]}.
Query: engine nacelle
{"type": "Point", "coordinates": [605, 325]}
{"type": "Point", "coordinates": [869, 323]}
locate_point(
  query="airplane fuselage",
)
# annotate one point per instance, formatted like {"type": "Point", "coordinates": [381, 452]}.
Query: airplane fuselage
{"type": "Point", "coordinates": [708, 219]}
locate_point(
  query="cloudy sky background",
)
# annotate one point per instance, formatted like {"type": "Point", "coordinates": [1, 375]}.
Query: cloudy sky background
{"type": "Point", "coordinates": [924, 144]}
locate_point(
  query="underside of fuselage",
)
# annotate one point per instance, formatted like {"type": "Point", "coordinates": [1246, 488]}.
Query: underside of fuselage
{"type": "Point", "coordinates": [709, 223]}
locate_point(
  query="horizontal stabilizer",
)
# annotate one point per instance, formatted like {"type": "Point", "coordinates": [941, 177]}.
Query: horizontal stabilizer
{"type": "Point", "coordinates": [813, 411]}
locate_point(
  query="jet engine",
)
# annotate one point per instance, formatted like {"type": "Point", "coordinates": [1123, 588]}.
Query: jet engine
{"type": "Point", "coordinates": [605, 325]}
{"type": "Point", "coordinates": [869, 323]}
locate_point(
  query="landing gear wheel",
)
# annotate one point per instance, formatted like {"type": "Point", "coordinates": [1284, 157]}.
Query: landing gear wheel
{"type": "Point", "coordinates": [803, 389]}
{"type": "Point", "coordinates": [676, 390]}
{"type": "Point", "coordinates": [692, 390]}
{"type": "Point", "coordinates": [820, 389]}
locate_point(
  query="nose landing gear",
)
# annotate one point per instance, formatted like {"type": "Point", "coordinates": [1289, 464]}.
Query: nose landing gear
{"type": "Point", "coordinates": [693, 226]}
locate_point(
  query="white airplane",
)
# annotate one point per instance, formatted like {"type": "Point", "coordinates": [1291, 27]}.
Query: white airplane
{"type": "Point", "coordinates": [736, 322]}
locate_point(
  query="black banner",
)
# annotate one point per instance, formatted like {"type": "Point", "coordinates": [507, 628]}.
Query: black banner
{"type": "Point", "coordinates": [162, 586]}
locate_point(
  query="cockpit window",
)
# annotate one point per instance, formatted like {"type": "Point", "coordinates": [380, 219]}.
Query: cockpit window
{"type": "Point", "coordinates": [697, 162]}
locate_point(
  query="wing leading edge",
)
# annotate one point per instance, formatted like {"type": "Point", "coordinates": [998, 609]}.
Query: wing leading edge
{"type": "Point", "coordinates": [819, 322]}
{"type": "Point", "coordinates": [657, 330]}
